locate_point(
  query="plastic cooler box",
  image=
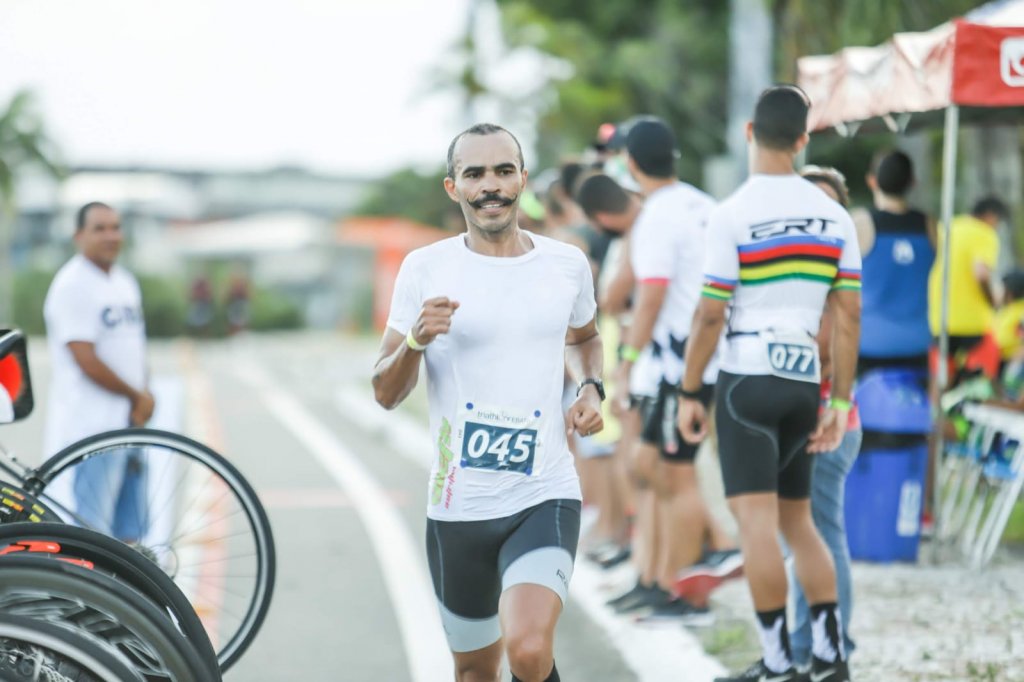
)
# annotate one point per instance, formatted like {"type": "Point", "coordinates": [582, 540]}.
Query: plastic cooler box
{"type": "Point", "coordinates": [885, 487]}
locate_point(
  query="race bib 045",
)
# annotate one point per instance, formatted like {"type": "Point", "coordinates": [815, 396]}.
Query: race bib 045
{"type": "Point", "coordinates": [496, 439]}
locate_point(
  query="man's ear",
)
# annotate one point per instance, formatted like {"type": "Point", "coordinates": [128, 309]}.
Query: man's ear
{"type": "Point", "coordinates": [802, 142]}
{"type": "Point", "coordinates": [607, 220]}
{"type": "Point", "coordinates": [750, 131]}
{"type": "Point", "coordinates": [449, 187]}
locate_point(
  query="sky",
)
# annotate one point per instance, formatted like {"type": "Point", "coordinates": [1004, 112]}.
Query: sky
{"type": "Point", "coordinates": [340, 86]}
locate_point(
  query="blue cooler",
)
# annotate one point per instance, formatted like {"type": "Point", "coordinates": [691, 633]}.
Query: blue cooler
{"type": "Point", "coordinates": [885, 487]}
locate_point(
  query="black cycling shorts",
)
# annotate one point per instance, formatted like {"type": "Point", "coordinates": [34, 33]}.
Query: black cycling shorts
{"type": "Point", "coordinates": [473, 562]}
{"type": "Point", "coordinates": [659, 426]}
{"type": "Point", "coordinates": [763, 424]}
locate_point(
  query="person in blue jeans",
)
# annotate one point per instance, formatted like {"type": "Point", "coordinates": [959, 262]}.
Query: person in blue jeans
{"type": "Point", "coordinates": [828, 481]}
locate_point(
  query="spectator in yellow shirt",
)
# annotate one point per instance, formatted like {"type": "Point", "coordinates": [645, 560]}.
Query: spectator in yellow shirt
{"type": "Point", "coordinates": [974, 249]}
{"type": "Point", "coordinates": [1009, 320]}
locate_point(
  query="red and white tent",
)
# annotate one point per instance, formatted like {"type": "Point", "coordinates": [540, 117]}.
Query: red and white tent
{"type": "Point", "coordinates": [975, 62]}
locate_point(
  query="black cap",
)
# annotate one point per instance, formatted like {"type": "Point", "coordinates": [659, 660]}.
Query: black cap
{"type": "Point", "coordinates": [652, 145]}
{"type": "Point", "coordinates": [1013, 281]}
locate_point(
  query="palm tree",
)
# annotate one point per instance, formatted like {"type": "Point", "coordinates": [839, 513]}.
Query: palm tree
{"type": "Point", "coordinates": [23, 143]}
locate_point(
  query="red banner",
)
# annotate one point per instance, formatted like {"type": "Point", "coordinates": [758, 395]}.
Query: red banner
{"type": "Point", "coordinates": [988, 65]}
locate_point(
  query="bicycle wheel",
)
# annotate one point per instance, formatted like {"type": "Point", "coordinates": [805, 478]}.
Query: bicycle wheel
{"type": "Point", "coordinates": [113, 558]}
{"type": "Point", "coordinates": [90, 601]}
{"type": "Point", "coordinates": [33, 650]}
{"type": "Point", "coordinates": [184, 506]}
{"type": "Point", "coordinates": [18, 505]}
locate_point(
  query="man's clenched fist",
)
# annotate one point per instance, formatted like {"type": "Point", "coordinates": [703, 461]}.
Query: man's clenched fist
{"type": "Point", "coordinates": [434, 319]}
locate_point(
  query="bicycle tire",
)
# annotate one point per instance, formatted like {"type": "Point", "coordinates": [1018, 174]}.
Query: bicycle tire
{"type": "Point", "coordinates": [95, 660]}
{"type": "Point", "coordinates": [18, 505]}
{"type": "Point", "coordinates": [236, 642]}
{"type": "Point", "coordinates": [114, 558]}
{"type": "Point", "coordinates": [99, 604]}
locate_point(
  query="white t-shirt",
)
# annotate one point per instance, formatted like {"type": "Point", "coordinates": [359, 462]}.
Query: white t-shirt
{"type": "Point", "coordinates": [85, 303]}
{"type": "Point", "coordinates": [667, 246]}
{"type": "Point", "coordinates": [494, 381]}
{"type": "Point", "coordinates": [776, 247]}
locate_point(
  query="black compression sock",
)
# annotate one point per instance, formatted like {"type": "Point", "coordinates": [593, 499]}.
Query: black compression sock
{"type": "Point", "coordinates": [827, 632]}
{"type": "Point", "coordinates": [553, 677]}
{"type": "Point", "coordinates": [775, 640]}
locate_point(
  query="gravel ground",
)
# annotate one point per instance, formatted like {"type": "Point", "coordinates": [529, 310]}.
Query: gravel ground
{"type": "Point", "coordinates": [913, 623]}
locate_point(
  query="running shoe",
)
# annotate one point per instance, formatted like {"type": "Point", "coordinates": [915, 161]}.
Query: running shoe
{"type": "Point", "coordinates": [645, 602]}
{"type": "Point", "coordinates": [759, 672]}
{"type": "Point", "coordinates": [637, 592]}
{"type": "Point", "coordinates": [679, 610]}
{"type": "Point", "coordinates": [697, 582]}
{"type": "Point", "coordinates": [612, 560]}
{"type": "Point", "coordinates": [837, 671]}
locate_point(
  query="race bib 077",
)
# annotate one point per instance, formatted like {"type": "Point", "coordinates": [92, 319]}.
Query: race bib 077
{"type": "Point", "coordinates": [495, 439]}
{"type": "Point", "coordinates": [792, 355]}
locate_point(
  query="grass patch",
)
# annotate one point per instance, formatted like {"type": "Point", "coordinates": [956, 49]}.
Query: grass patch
{"type": "Point", "coordinates": [1015, 526]}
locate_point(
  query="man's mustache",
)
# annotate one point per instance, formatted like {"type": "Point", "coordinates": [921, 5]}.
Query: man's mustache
{"type": "Point", "coordinates": [490, 199]}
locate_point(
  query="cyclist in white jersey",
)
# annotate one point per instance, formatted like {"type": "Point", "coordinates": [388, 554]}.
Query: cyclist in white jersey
{"type": "Point", "coordinates": [497, 314]}
{"type": "Point", "coordinates": [777, 247]}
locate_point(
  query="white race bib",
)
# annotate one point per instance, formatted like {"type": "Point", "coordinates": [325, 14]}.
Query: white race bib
{"type": "Point", "coordinates": [792, 355]}
{"type": "Point", "coordinates": [497, 439]}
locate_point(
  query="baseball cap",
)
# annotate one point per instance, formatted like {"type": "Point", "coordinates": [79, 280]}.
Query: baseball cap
{"type": "Point", "coordinates": [652, 144]}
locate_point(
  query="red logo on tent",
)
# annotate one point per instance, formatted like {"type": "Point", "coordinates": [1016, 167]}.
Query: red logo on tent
{"type": "Point", "coordinates": [1011, 62]}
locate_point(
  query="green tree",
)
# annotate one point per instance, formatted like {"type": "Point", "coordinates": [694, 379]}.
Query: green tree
{"type": "Point", "coordinates": [660, 57]}
{"type": "Point", "coordinates": [668, 58]}
{"type": "Point", "coordinates": [23, 143]}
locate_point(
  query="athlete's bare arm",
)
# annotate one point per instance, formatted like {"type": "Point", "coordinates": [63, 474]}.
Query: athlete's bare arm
{"type": "Point", "coordinates": [649, 299]}
{"type": "Point", "coordinates": [845, 308]}
{"type": "Point", "coordinates": [142, 403]}
{"type": "Point", "coordinates": [398, 365]}
{"type": "Point", "coordinates": [584, 359]}
{"type": "Point", "coordinates": [708, 321]}
{"type": "Point", "coordinates": [615, 297]}
{"type": "Point", "coordinates": [865, 228]}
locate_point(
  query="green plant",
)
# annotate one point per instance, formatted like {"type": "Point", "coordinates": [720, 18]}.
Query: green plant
{"type": "Point", "coordinates": [273, 311]}
{"type": "Point", "coordinates": [30, 288]}
{"type": "Point", "coordinates": [163, 303]}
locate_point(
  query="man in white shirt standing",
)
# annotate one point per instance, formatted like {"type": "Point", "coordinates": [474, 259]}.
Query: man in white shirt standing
{"type": "Point", "coordinates": [497, 314]}
{"type": "Point", "coordinates": [97, 342]}
{"type": "Point", "coordinates": [666, 254]}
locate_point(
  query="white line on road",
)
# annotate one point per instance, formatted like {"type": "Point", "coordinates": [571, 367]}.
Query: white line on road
{"type": "Point", "coordinates": [654, 654]}
{"type": "Point", "coordinates": [402, 566]}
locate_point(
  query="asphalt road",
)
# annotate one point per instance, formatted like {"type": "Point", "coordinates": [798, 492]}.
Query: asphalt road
{"type": "Point", "coordinates": [351, 601]}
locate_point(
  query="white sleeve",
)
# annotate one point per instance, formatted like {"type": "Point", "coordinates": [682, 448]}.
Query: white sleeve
{"type": "Point", "coordinates": [721, 258]}
{"type": "Point", "coordinates": [848, 276]}
{"type": "Point", "coordinates": [406, 301]}
{"type": "Point", "coordinates": [652, 251]}
{"type": "Point", "coordinates": [585, 306]}
{"type": "Point", "coordinates": [72, 314]}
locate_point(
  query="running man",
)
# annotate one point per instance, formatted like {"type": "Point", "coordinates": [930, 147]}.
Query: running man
{"type": "Point", "coordinates": [498, 314]}
{"type": "Point", "coordinates": [777, 248]}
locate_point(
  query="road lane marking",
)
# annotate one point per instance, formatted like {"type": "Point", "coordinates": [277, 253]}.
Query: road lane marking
{"type": "Point", "coordinates": [654, 654]}
{"type": "Point", "coordinates": [208, 591]}
{"type": "Point", "coordinates": [402, 564]}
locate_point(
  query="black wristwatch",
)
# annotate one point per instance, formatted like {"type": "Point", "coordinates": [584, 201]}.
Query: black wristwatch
{"type": "Point", "coordinates": [598, 384]}
{"type": "Point", "coordinates": [693, 395]}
